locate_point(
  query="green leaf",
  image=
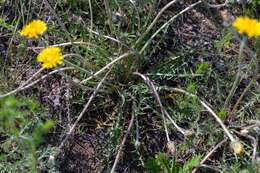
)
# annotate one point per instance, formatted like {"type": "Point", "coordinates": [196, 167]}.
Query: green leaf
{"type": "Point", "coordinates": [190, 164]}
{"type": "Point", "coordinates": [175, 167]}
{"type": "Point", "coordinates": [222, 114]}
{"type": "Point", "coordinates": [41, 129]}
{"type": "Point", "coordinates": [162, 159]}
{"type": "Point", "coordinates": [152, 166]}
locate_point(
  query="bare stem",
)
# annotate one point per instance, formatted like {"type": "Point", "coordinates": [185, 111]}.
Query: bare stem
{"type": "Point", "coordinates": [109, 15]}
{"type": "Point", "coordinates": [210, 153]}
{"type": "Point", "coordinates": [167, 24]}
{"type": "Point", "coordinates": [238, 76]}
{"type": "Point", "coordinates": [108, 66]}
{"type": "Point", "coordinates": [154, 21]}
{"type": "Point", "coordinates": [110, 38]}
{"type": "Point", "coordinates": [248, 87]}
{"type": "Point", "coordinates": [44, 76]}
{"type": "Point", "coordinates": [71, 130]}
{"type": "Point", "coordinates": [122, 144]}
{"type": "Point", "coordinates": [91, 15]}
{"type": "Point", "coordinates": [21, 86]}
{"type": "Point", "coordinates": [219, 121]}
{"type": "Point", "coordinates": [163, 110]}
{"type": "Point", "coordinates": [65, 44]}
{"type": "Point", "coordinates": [210, 111]}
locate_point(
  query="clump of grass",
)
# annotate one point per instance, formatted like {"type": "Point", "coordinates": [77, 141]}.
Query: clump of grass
{"type": "Point", "coordinates": [105, 47]}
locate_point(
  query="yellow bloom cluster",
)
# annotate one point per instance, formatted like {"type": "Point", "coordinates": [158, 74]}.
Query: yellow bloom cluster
{"type": "Point", "coordinates": [247, 26]}
{"type": "Point", "coordinates": [50, 57]}
{"type": "Point", "coordinates": [34, 29]}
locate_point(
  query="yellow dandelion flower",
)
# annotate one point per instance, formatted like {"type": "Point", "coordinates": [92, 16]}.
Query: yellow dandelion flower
{"type": "Point", "coordinates": [34, 29]}
{"type": "Point", "coordinates": [248, 26]}
{"type": "Point", "coordinates": [50, 57]}
{"type": "Point", "coordinates": [258, 29]}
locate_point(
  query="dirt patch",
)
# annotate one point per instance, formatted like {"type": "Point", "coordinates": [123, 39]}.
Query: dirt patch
{"type": "Point", "coordinates": [83, 154]}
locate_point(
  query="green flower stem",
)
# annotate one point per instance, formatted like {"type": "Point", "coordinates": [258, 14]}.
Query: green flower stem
{"type": "Point", "coordinates": [253, 80]}
{"type": "Point", "coordinates": [238, 76]}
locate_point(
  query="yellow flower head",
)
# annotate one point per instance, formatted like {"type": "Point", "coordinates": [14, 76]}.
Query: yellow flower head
{"type": "Point", "coordinates": [248, 26]}
{"type": "Point", "coordinates": [34, 29]}
{"type": "Point", "coordinates": [50, 57]}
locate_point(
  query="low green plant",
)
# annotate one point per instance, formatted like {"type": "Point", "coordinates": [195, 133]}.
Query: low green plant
{"type": "Point", "coordinates": [21, 134]}
{"type": "Point", "coordinates": [162, 163]}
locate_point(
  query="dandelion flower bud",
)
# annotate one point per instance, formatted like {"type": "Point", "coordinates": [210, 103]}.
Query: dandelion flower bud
{"type": "Point", "coordinates": [237, 147]}
{"type": "Point", "coordinates": [171, 147]}
{"type": "Point", "coordinates": [189, 133]}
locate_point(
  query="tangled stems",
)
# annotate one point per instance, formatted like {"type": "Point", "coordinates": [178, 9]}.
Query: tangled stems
{"type": "Point", "coordinates": [238, 76]}
{"type": "Point", "coordinates": [28, 83]}
{"type": "Point", "coordinates": [164, 112]}
{"type": "Point", "coordinates": [154, 21]}
{"type": "Point", "coordinates": [24, 84]}
{"type": "Point", "coordinates": [235, 145]}
{"type": "Point", "coordinates": [205, 105]}
{"type": "Point", "coordinates": [254, 78]}
{"type": "Point", "coordinates": [167, 24]}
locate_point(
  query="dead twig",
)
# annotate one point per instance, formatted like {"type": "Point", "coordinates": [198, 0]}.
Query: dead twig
{"type": "Point", "coordinates": [112, 39]}
{"type": "Point", "coordinates": [24, 84]}
{"type": "Point", "coordinates": [63, 44]}
{"type": "Point", "coordinates": [71, 130]}
{"type": "Point", "coordinates": [108, 66]}
{"type": "Point", "coordinates": [163, 110]}
{"type": "Point", "coordinates": [155, 20]}
{"type": "Point", "coordinates": [168, 23]}
{"type": "Point", "coordinates": [122, 144]}
{"type": "Point", "coordinates": [207, 107]}
{"type": "Point", "coordinates": [210, 153]}
{"type": "Point", "coordinates": [44, 76]}
{"type": "Point", "coordinates": [218, 5]}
